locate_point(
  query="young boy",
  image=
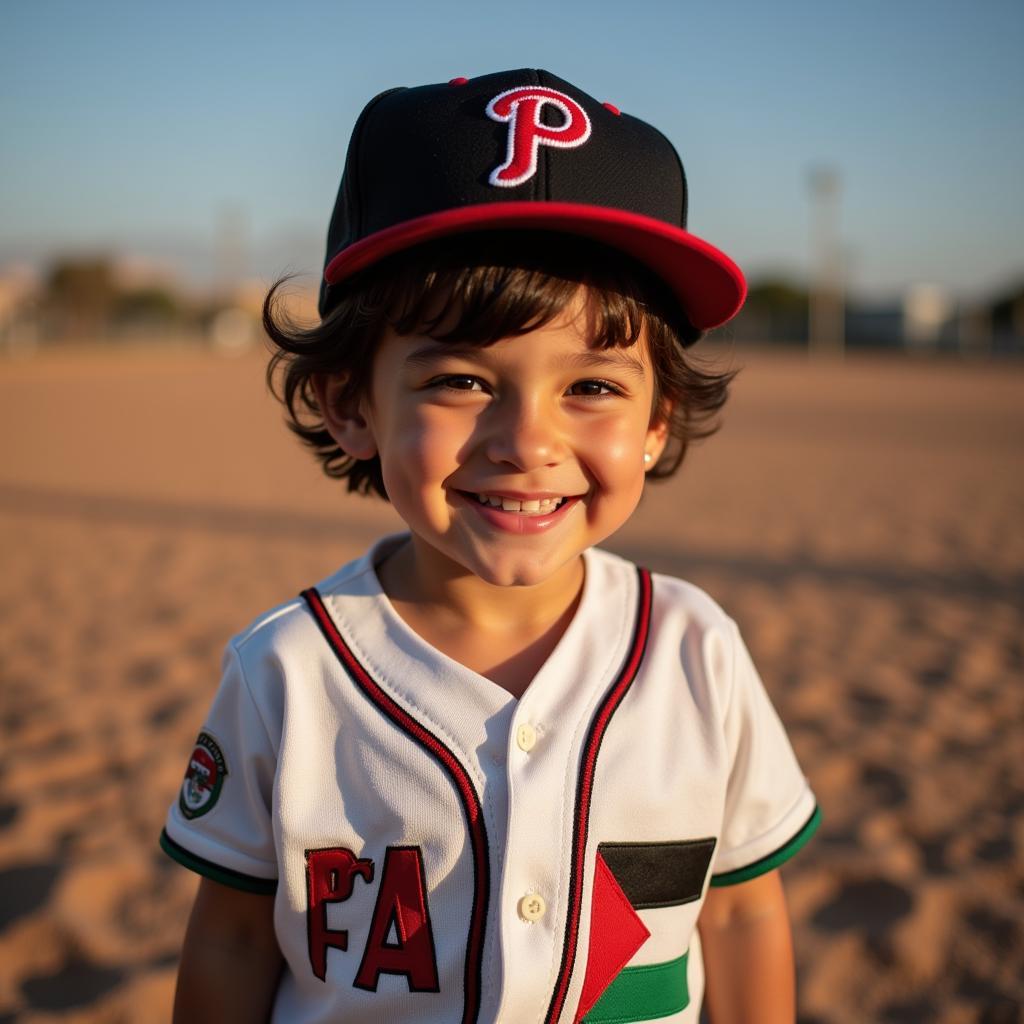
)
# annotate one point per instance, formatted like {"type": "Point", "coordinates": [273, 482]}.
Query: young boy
{"type": "Point", "coordinates": [488, 771]}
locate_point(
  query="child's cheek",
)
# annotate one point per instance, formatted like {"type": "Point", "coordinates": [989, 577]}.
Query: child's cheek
{"type": "Point", "coordinates": [613, 460]}
{"type": "Point", "coordinates": [424, 453]}
{"type": "Point", "coordinates": [613, 453]}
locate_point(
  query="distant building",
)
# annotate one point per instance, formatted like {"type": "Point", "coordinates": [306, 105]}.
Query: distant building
{"type": "Point", "coordinates": [924, 319]}
{"type": "Point", "coordinates": [19, 296]}
{"type": "Point", "coordinates": [1005, 322]}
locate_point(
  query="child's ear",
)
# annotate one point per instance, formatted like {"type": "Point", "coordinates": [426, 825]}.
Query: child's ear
{"type": "Point", "coordinates": [345, 421]}
{"type": "Point", "coordinates": [658, 432]}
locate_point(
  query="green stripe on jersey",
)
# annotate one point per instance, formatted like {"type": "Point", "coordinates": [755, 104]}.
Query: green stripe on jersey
{"type": "Point", "coordinates": [772, 860]}
{"type": "Point", "coordinates": [206, 868]}
{"type": "Point", "coordinates": [643, 993]}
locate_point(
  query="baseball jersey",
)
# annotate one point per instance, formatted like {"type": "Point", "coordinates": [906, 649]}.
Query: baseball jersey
{"type": "Point", "coordinates": [442, 852]}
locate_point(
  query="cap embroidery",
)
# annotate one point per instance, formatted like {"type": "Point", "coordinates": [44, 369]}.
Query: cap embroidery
{"type": "Point", "coordinates": [521, 109]}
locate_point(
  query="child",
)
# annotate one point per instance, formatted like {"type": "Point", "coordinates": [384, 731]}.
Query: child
{"type": "Point", "coordinates": [488, 771]}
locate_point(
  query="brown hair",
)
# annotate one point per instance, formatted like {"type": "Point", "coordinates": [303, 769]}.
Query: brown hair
{"type": "Point", "coordinates": [478, 289]}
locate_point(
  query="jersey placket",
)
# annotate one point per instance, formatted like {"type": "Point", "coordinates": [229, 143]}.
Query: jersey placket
{"type": "Point", "coordinates": [543, 762]}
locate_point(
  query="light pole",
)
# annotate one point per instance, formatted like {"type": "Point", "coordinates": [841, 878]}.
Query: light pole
{"type": "Point", "coordinates": [827, 336]}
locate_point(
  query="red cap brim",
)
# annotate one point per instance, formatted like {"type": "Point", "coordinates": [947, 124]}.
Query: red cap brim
{"type": "Point", "coordinates": [710, 287]}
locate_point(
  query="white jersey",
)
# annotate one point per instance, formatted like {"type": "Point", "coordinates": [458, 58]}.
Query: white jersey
{"type": "Point", "coordinates": [441, 852]}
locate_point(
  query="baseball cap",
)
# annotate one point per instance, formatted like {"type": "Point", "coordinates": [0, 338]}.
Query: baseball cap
{"type": "Point", "coordinates": [520, 150]}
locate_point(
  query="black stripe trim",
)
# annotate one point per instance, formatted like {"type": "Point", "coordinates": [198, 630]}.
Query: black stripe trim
{"type": "Point", "coordinates": [665, 874]}
{"type": "Point", "coordinates": [585, 784]}
{"type": "Point", "coordinates": [208, 869]}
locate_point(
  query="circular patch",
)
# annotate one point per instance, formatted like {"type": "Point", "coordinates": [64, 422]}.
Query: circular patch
{"type": "Point", "coordinates": [204, 778]}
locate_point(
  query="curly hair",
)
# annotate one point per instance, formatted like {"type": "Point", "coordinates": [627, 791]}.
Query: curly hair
{"type": "Point", "coordinates": [478, 289]}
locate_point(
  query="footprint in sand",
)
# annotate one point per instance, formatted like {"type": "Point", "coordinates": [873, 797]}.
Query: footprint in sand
{"type": "Point", "coordinates": [870, 906]}
{"type": "Point", "coordinates": [77, 983]}
{"type": "Point", "coordinates": [24, 889]}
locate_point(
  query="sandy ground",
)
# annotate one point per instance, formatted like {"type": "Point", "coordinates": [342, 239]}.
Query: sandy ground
{"type": "Point", "coordinates": [862, 523]}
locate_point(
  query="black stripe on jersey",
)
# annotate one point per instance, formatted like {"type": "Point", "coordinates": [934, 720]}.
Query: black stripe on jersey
{"type": "Point", "coordinates": [585, 784]}
{"type": "Point", "coordinates": [659, 874]}
{"type": "Point", "coordinates": [207, 868]}
{"type": "Point", "coordinates": [460, 780]}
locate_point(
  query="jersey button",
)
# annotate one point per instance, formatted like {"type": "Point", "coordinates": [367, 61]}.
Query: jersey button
{"type": "Point", "coordinates": [526, 737]}
{"type": "Point", "coordinates": [532, 907]}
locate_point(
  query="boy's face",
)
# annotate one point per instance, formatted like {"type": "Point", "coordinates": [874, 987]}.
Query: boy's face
{"type": "Point", "coordinates": [542, 413]}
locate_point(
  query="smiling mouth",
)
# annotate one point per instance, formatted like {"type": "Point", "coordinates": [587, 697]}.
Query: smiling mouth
{"type": "Point", "coordinates": [536, 507]}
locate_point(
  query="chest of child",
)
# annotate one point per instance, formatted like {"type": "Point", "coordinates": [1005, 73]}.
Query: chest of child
{"type": "Point", "coordinates": [440, 843]}
{"type": "Point", "coordinates": [441, 851]}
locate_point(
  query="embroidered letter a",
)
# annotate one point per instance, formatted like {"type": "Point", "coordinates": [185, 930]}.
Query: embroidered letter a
{"type": "Point", "coordinates": [521, 109]}
{"type": "Point", "coordinates": [401, 911]}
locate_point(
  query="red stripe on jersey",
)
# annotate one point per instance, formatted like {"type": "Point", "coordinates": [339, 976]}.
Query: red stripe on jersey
{"type": "Point", "coordinates": [585, 786]}
{"type": "Point", "coordinates": [463, 785]}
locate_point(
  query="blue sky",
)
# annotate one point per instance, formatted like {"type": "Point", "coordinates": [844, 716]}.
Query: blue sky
{"type": "Point", "coordinates": [134, 126]}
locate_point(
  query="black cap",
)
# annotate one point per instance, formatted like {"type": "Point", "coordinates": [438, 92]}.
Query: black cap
{"type": "Point", "coordinates": [521, 149]}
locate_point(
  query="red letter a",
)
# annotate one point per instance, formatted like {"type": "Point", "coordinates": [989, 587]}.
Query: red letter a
{"type": "Point", "coordinates": [330, 877]}
{"type": "Point", "coordinates": [402, 904]}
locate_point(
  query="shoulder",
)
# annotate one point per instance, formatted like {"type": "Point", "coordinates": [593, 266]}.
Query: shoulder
{"type": "Point", "coordinates": [669, 592]}
{"type": "Point", "coordinates": [676, 604]}
{"type": "Point", "coordinates": [691, 638]}
{"type": "Point", "coordinates": [283, 638]}
{"type": "Point", "coordinates": [695, 606]}
{"type": "Point", "coordinates": [275, 629]}
{"type": "Point", "coordinates": [688, 621]}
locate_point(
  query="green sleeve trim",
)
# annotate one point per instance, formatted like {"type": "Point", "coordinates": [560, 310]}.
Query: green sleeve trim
{"type": "Point", "coordinates": [206, 868]}
{"type": "Point", "coordinates": [643, 993]}
{"type": "Point", "coordinates": [773, 860]}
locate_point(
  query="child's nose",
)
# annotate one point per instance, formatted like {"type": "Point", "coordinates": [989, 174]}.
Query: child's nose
{"type": "Point", "coordinates": [525, 436]}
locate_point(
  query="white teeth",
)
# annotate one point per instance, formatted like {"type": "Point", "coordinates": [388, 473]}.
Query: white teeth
{"type": "Point", "coordinates": [532, 506]}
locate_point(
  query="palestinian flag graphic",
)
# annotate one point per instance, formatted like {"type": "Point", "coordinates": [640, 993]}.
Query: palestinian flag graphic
{"type": "Point", "coordinates": [629, 877]}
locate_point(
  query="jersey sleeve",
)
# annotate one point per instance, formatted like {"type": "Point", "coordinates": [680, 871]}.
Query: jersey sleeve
{"type": "Point", "coordinates": [770, 811]}
{"type": "Point", "coordinates": [220, 823]}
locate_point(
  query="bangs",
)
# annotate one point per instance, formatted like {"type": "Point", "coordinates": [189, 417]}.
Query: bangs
{"type": "Point", "coordinates": [475, 290]}
{"type": "Point", "coordinates": [480, 289]}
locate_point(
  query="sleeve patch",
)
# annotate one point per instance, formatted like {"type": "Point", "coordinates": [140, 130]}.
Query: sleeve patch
{"type": "Point", "coordinates": [204, 778]}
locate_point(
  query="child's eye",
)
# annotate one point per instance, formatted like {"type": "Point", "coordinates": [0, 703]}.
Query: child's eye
{"type": "Point", "coordinates": [456, 382]}
{"type": "Point", "coordinates": [597, 384]}
{"type": "Point", "coordinates": [466, 384]}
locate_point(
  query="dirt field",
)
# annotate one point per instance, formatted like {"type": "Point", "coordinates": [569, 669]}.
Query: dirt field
{"type": "Point", "coordinates": [862, 522]}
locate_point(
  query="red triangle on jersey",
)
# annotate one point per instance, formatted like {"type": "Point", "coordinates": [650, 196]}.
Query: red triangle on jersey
{"type": "Point", "coordinates": [616, 933]}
